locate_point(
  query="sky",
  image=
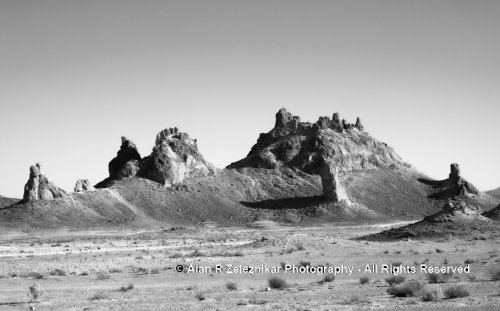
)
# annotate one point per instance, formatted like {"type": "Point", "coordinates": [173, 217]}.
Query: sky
{"type": "Point", "coordinates": [75, 76]}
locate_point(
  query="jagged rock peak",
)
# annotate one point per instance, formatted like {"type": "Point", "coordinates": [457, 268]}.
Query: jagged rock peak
{"type": "Point", "coordinates": [301, 144]}
{"type": "Point", "coordinates": [171, 134]}
{"type": "Point", "coordinates": [454, 171]}
{"type": "Point", "coordinates": [174, 158]}
{"type": "Point", "coordinates": [126, 157]}
{"type": "Point", "coordinates": [38, 187]}
{"type": "Point", "coordinates": [358, 124]}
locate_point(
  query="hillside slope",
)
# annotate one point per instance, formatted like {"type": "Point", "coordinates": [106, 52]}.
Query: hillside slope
{"type": "Point", "coordinates": [4, 202]}
{"type": "Point", "coordinates": [494, 193]}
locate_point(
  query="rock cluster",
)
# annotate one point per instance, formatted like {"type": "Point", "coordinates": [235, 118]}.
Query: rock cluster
{"type": "Point", "coordinates": [39, 187]}
{"type": "Point", "coordinates": [83, 185]}
{"type": "Point", "coordinates": [174, 158]}
{"type": "Point", "coordinates": [462, 186]}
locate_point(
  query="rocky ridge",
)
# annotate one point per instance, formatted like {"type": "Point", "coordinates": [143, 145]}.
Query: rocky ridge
{"type": "Point", "coordinates": [174, 158]}
{"type": "Point", "coordinates": [328, 147]}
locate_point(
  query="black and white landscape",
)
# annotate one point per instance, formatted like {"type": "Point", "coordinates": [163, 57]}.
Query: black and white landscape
{"type": "Point", "coordinates": [276, 155]}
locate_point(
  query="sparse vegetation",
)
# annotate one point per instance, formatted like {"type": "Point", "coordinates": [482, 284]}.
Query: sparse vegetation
{"type": "Point", "coordinates": [495, 274]}
{"type": "Point", "coordinates": [126, 288]}
{"type": "Point", "coordinates": [408, 289]}
{"type": "Point", "coordinates": [35, 275]}
{"type": "Point", "coordinates": [115, 270]}
{"type": "Point", "coordinates": [277, 282]}
{"type": "Point", "coordinates": [304, 263]}
{"type": "Point", "coordinates": [99, 296]}
{"type": "Point", "coordinates": [155, 271]}
{"type": "Point", "coordinates": [455, 291]}
{"type": "Point", "coordinates": [197, 253]}
{"type": "Point", "coordinates": [469, 261]}
{"type": "Point", "coordinates": [176, 255]}
{"type": "Point", "coordinates": [200, 296]}
{"type": "Point", "coordinates": [141, 270]}
{"type": "Point", "coordinates": [364, 280]}
{"type": "Point", "coordinates": [431, 295]}
{"type": "Point", "coordinates": [58, 272]}
{"type": "Point", "coordinates": [231, 286]}
{"type": "Point", "coordinates": [439, 277]}
{"type": "Point", "coordinates": [300, 247]}
{"type": "Point", "coordinates": [102, 275]}
{"type": "Point", "coordinates": [438, 250]}
{"type": "Point", "coordinates": [35, 292]}
{"type": "Point", "coordinates": [353, 300]}
{"type": "Point", "coordinates": [395, 279]}
{"type": "Point", "coordinates": [329, 278]}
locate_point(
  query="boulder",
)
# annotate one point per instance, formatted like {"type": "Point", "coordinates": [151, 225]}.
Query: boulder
{"type": "Point", "coordinates": [38, 187]}
{"type": "Point", "coordinates": [83, 185]}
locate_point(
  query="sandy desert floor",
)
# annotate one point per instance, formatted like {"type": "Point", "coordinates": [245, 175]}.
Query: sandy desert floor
{"type": "Point", "coordinates": [125, 270]}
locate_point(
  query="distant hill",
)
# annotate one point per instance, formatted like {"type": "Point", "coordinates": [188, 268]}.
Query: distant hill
{"type": "Point", "coordinates": [458, 218]}
{"type": "Point", "coordinates": [494, 193]}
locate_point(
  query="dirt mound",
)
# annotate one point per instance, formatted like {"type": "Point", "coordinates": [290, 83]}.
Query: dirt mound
{"type": "Point", "coordinates": [494, 193]}
{"type": "Point", "coordinates": [493, 213]}
{"type": "Point", "coordinates": [456, 218]}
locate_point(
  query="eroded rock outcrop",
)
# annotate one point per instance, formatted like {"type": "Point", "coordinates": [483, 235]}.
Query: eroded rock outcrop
{"type": "Point", "coordinates": [82, 185]}
{"type": "Point", "coordinates": [463, 187]}
{"type": "Point", "coordinates": [126, 160]}
{"type": "Point", "coordinates": [174, 158]}
{"type": "Point", "coordinates": [332, 189]}
{"type": "Point", "coordinates": [301, 145]}
{"type": "Point", "coordinates": [39, 187]}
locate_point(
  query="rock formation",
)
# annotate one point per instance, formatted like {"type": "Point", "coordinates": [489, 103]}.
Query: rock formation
{"type": "Point", "coordinates": [174, 158]}
{"type": "Point", "coordinates": [462, 186]}
{"type": "Point", "coordinates": [301, 145]}
{"type": "Point", "coordinates": [333, 191]}
{"type": "Point", "coordinates": [126, 160]}
{"type": "Point", "coordinates": [358, 125]}
{"type": "Point", "coordinates": [83, 185]}
{"type": "Point", "coordinates": [125, 164]}
{"type": "Point", "coordinates": [39, 187]}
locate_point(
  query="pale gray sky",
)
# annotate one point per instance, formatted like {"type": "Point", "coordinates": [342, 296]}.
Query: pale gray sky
{"type": "Point", "coordinates": [75, 76]}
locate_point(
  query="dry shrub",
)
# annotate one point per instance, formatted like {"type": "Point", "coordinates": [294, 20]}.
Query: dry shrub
{"type": "Point", "coordinates": [277, 282]}
{"type": "Point", "coordinates": [455, 291]}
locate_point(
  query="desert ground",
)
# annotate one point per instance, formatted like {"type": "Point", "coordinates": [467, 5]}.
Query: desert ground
{"type": "Point", "coordinates": [137, 270]}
